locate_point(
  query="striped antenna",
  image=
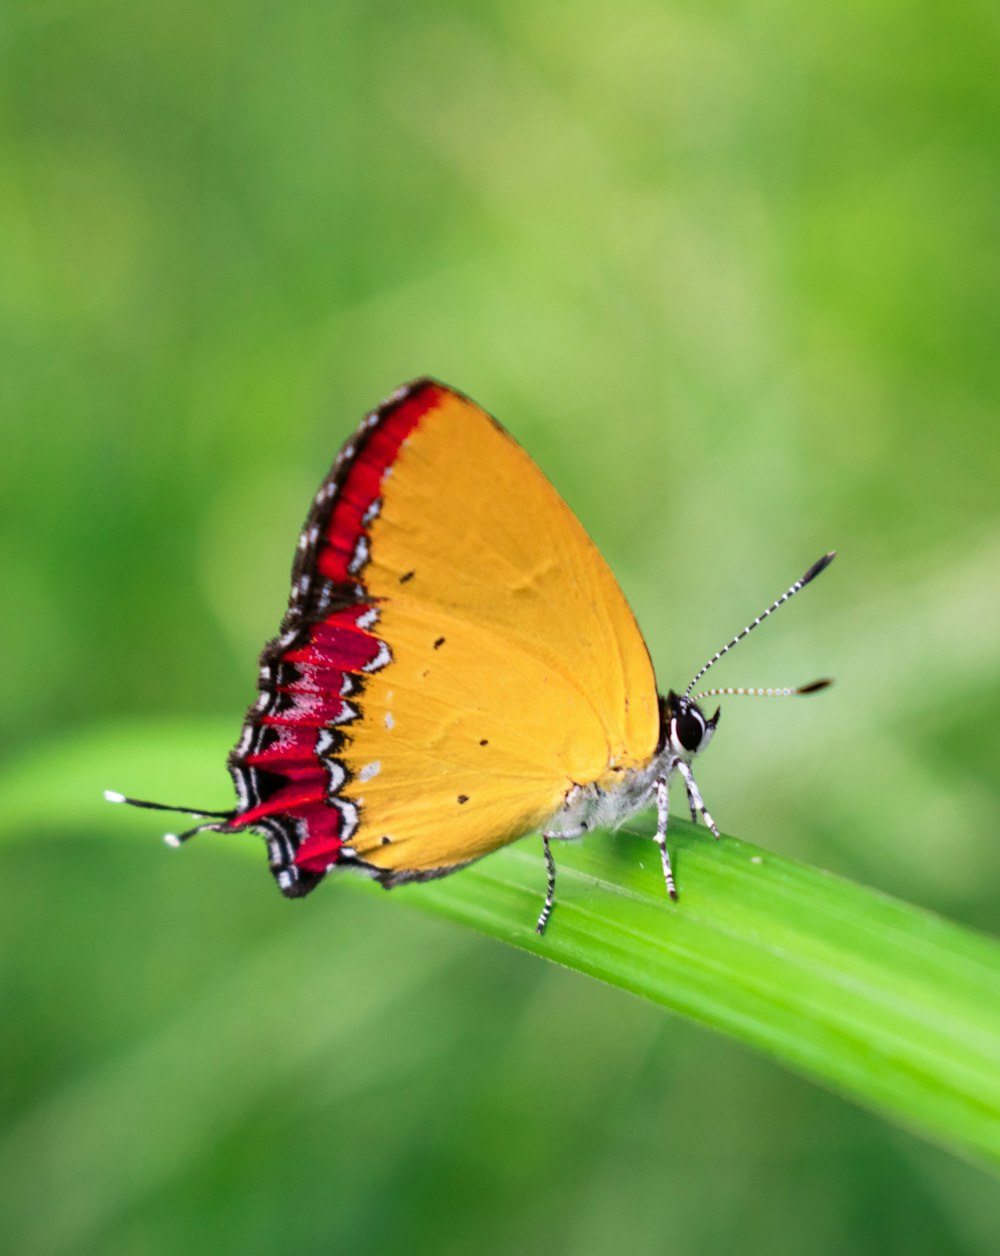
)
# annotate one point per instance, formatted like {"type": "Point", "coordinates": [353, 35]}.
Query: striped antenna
{"type": "Point", "coordinates": [801, 583]}
{"type": "Point", "coordinates": [813, 687]}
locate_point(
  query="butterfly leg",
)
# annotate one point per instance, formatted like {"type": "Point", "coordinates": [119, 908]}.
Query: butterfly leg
{"type": "Point", "coordinates": [694, 799]}
{"type": "Point", "coordinates": [550, 889]}
{"type": "Point", "coordinates": [662, 816]}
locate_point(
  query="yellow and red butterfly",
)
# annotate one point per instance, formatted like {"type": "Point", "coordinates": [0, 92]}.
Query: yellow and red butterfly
{"type": "Point", "coordinates": [457, 668]}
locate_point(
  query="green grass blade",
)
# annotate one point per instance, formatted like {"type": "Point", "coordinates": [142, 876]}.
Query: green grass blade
{"type": "Point", "coordinates": [888, 1004]}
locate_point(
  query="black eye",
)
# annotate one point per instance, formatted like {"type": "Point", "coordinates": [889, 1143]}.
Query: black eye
{"type": "Point", "coordinates": [689, 729]}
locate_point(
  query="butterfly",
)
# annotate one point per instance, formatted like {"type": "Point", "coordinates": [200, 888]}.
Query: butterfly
{"type": "Point", "coordinates": [457, 668]}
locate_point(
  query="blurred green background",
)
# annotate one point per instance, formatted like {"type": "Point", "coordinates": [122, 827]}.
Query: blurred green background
{"type": "Point", "coordinates": [731, 272]}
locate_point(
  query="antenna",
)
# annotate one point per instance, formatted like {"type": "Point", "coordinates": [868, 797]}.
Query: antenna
{"type": "Point", "coordinates": [813, 687]}
{"type": "Point", "coordinates": [811, 574]}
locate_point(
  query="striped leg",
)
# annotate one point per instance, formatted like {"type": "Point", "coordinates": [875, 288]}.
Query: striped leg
{"type": "Point", "coordinates": [662, 816]}
{"type": "Point", "coordinates": [550, 890]}
{"type": "Point", "coordinates": [694, 798]}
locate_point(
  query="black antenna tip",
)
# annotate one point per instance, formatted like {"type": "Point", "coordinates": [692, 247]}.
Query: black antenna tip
{"type": "Point", "coordinates": [819, 566]}
{"type": "Point", "coordinates": [815, 686]}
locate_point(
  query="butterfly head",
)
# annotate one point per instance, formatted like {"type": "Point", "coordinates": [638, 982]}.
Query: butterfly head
{"type": "Point", "coordinates": [686, 730]}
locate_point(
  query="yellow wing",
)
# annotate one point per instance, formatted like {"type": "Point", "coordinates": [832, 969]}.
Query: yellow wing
{"type": "Point", "coordinates": [455, 657]}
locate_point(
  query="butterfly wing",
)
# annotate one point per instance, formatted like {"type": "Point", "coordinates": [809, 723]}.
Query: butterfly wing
{"type": "Point", "coordinates": [455, 657]}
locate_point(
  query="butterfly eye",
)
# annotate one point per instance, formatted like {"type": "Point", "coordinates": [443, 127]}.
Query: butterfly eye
{"type": "Point", "coordinates": [689, 729]}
